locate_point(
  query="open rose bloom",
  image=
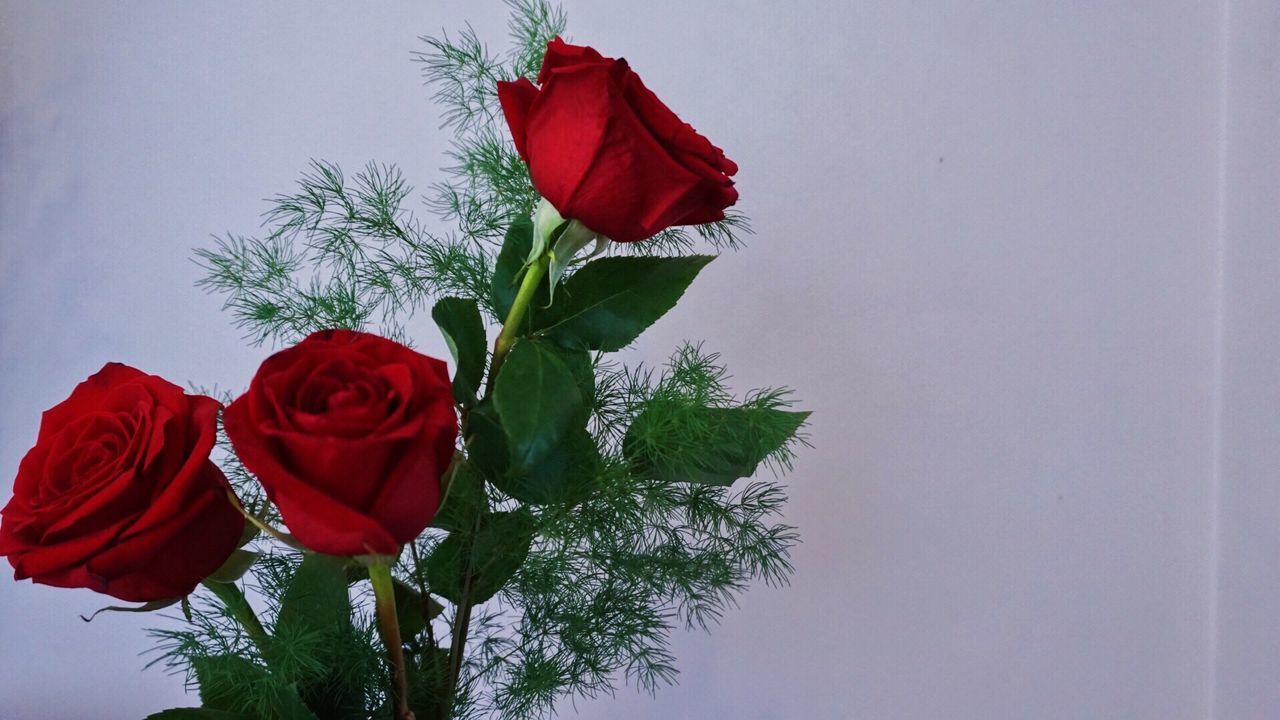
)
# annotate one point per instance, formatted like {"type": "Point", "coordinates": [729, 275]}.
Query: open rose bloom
{"type": "Point", "coordinates": [350, 434]}
{"type": "Point", "coordinates": [119, 495]}
{"type": "Point", "coordinates": [605, 151]}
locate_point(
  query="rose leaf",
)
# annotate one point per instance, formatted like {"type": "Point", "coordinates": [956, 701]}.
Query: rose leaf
{"type": "Point", "coordinates": [316, 598]}
{"type": "Point", "coordinates": [687, 442]}
{"type": "Point", "coordinates": [610, 301]}
{"type": "Point", "coordinates": [564, 474]}
{"type": "Point", "coordinates": [537, 399]}
{"type": "Point", "coordinates": [481, 562]}
{"type": "Point", "coordinates": [463, 329]}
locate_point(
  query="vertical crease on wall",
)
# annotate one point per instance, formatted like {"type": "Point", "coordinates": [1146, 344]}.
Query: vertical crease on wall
{"type": "Point", "coordinates": [1218, 379]}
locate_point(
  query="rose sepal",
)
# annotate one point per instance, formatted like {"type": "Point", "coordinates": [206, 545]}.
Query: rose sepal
{"type": "Point", "coordinates": [372, 558]}
{"type": "Point", "coordinates": [566, 238]}
{"type": "Point", "coordinates": [145, 607]}
{"type": "Point", "coordinates": [262, 526]}
{"type": "Point", "coordinates": [235, 567]}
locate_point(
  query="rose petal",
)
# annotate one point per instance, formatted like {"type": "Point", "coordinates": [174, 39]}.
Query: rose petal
{"type": "Point", "coordinates": [169, 557]}
{"type": "Point", "coordinates": [515, 98]}
{"type": "Point", "coordinates": [673, 133]}
{"type": "Point", "coordinates": [36, 559]}
{"type": "Point", "coordinates": [560, 54]}
{"type": "Point", "coordinates": [192, 478]}
{"type": "Point", "coordinates": [410, 495]}
{"type": "Point", "coordinates": [86, 397]}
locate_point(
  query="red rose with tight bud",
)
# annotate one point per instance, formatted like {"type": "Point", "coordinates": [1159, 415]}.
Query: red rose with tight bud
{"type": "Point", "coordinates": [119, 495]}
{"type": "Point", "coordinates": [349, 434]}
{"type": "Point", "coordinates": [605, 151]}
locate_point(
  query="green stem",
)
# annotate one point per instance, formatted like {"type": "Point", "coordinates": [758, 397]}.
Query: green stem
{"type": "Point", "coordinates": [432, 658]}
{"type": "Point", "coordinates": [238, 605]}
{"type": "Point", "coordinates": [461, 626]}
{"type": "Point", "coordinates": [462, 620]}
{"type": "Point", "coordinates": [511, 326]}
{"type": "Point", "coordinates": [389, 627]}
{"type": "Point", "coordinates": [510, 329]}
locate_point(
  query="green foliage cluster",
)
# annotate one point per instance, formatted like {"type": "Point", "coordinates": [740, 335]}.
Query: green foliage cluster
{"type": "Point", "coordinates": [489, 184]}
{"type": "Point", "coordinates": [339, 253]}
{"type": "Point", "coordinates": [592, 511]}
{"type": "Point", "coordinates": [610, 577]}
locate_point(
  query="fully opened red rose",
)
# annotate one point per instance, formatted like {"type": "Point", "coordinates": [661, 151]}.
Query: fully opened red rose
{"type": "Point", "coordinates": [349, 433]}
{"type": "Point", "coordinates": [119, 495]}
{"type": "Point", "coordinates": [605, 151]}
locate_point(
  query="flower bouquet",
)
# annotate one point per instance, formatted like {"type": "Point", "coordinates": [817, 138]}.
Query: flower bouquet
{"type": "Point", "coordinates": [368, 531]}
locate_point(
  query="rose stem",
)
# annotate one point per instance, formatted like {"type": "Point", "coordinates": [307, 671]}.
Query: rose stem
{"type": "Point", "coordinates": [511, 326]}
{"type": "Point", "coordinates": [422, 588]}
{"type": "Point", "coordinates": [389, 626]}
{"type": "Point", "coordinates": [238, 605]}
{"type": "Point", "coordinates": [506, 338]}
{"type": "Point", "coordinates": [460, 627]}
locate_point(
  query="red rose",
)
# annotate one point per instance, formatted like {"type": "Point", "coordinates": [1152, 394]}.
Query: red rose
{"type": "Point", "coordinates": [605, 151]}
{"type": "Point", "coordinates": [119, 495]}
{"type": "Point", "coordinates": [350, 434]}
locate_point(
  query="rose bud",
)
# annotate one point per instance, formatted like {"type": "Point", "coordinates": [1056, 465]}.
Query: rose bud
{"type": "Point", "coordinates": [119, 495]}
{"type": "Point", "coordinates": [605, 151]}
{"type": "Point", "coordinates": [350, 434]}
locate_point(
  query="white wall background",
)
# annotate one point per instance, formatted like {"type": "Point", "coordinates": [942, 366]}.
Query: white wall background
{"type": "Point", "coordinates": [1020, 258]}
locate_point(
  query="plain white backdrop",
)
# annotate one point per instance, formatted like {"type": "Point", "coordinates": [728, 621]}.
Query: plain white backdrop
{"type": "Point", "coordinates": [1020, 259]}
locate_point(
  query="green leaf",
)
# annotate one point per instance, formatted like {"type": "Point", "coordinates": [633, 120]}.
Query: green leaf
{"type": "Point", "coordinates": [583, 370]}
{"type": "Point", "coordinates": [428, 683]}
{"type": "Point", "coordinates": [564, 474]}
{"type": "Point", "coordinates": [465, 498]}
{"type": "Point", "coordinates": [225, 679]}
{"type": "Point", "coordinates": [488, 558]}
{"type": "Point", "coordinates": [316, 599]}
{"type": "Point", "coordinates": [315, 620]}
{"type": "Point", "coordinates": [487, 448]}
{"type": "Point", "coordinates": [288, 705]}
{"type": "Point", "coordinates": [676, 442]}
{"type": "Point", "coordinates": [196, 714]}
{"type": "Point", "coordinates": [537, 400]}
{"type": "Point", "coordinates": [447, 566]}
{"type": "Point", "coordinates": [610, 301]}
{"type": "Point", "coordinates": [413, 609]}
{"type": "Point", "coordinates": [463, 329]}
{"type": "Point", "coordinates": [235, 567]}
{"type": "Point", "coordinates": [558, 473]}
{"type": "Point", "coordinates": [510, 265]}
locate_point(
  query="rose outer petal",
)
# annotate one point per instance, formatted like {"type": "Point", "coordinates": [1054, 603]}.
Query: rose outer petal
{"type": "Point", "coordinates": [206, 527]}
{"type": "Point", "coordinates": [515, 98]}
{"type": "Point", "coordinates": [86, 397]}
{"type": "Point", "coordinates": [561, 54]}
